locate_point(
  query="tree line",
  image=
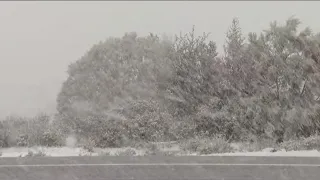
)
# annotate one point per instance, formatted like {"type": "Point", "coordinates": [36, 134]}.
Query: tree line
{"type": "Point", "coordinates": [265, 86]}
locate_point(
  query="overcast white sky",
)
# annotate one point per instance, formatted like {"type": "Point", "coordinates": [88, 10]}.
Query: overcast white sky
{"type": "Point", "coordinates": [39, 39]}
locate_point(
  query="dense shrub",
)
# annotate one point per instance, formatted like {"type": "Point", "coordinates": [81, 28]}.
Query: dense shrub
{"type": "Point", "coordinates": [35, 154]}
{"type": "Point", "coordinates": [310, 143]}
{"type": "Point", "coordinates": [127, 152]}
{"type": "Point", "coordinates": [4, 139]}
{"type": "Point", "coordinates": [37, 131]}
{"type": "Point", "coordinates": [206, 146]}
{"type": "Point", "coordinates": [257, 145]}
{"type": "Point", "coordinates": [22, 140]}
{"type": "Point", "coordinates": [50, 138]}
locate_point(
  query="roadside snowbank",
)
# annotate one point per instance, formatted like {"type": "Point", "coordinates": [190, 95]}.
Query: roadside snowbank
{"type": "Point", "coordinates": [311, 153]}
{"type": "Point", "coordinates": [56, 151]}
{"type": "Point", "coordinates": [65, 151]}
{"type": "Point", "coordinates": [69, 151]}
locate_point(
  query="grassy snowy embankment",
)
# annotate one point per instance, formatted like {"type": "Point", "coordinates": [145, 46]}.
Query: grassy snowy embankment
{"type": "Point", "coordinates": [300, 148]}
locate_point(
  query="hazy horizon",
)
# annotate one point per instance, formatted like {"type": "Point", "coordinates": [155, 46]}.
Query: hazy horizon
{"type": "Point", "coordinates": [40, 39]}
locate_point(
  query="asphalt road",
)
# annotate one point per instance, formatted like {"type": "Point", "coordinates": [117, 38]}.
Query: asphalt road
{"type": "Point", "coordinates": [160, 168]}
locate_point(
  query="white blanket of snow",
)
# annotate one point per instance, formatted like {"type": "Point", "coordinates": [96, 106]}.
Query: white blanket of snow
{"type": "Point", "coordinates": [70, 151]}
{"type": "Point", "coordinates": [58, 151]}
{"type": "Point", "coordinates": [62, 151]}
{"type": "Point", "coordinates": [311, 153]}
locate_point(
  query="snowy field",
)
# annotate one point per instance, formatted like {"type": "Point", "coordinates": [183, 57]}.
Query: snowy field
{"type": "Point", "coordinates": [71, 151]}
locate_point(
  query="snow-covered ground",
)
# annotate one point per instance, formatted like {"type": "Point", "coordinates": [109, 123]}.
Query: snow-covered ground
{"type": "Point", "coordinates": [311, 153]}
{"type": "Point", "coordinates": [65, 151]}
{"type": "Point", "coordinates": [58, 151]}
{"type": "Point", "coordinates": [70, 151]}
